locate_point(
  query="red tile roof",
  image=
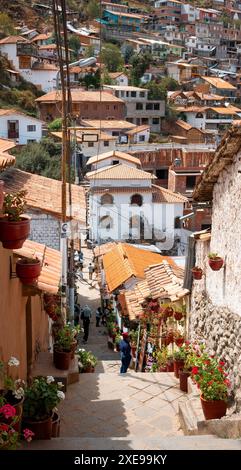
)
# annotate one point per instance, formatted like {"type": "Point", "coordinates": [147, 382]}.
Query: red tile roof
{"type": "Point", "coordinates": [49, 279]}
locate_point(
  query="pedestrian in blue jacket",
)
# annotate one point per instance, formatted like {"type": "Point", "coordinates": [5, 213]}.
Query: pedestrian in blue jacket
{"type": "Point", "coordinates": [125, 353]}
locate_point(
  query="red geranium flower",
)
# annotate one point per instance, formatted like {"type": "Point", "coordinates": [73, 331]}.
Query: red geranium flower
{"type": "Point", "coordinates": [195, 370]}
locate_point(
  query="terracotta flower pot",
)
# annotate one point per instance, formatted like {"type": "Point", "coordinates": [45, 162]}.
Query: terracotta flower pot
{"type": "Point", "coordinates": [213, 409]}
{"type": "Point", "coordinates": [178, 364]}
{"type": "Point", "coordinates": [179, 341]}
{"type": "Point", "coordinates": [170, 366]}
{"type": "Point", "coordinates": [14, 234]}
{"type": "Point", "coordinates": [55, 425]}
{"type": "Point", "coordinates": [178, 315]}
{"type": "Point", "coordinates": [88, 369]}
{"type": "Point", "coordinates": [197, 273]}
{"type": "Point", "coordinates": [62, 359]}
{"type": "Point", "coordinates": [216, 263]}
{"type": "Point", "coordinates": [183, 376]}
{"type": "Point", "coordinates": [73, 348]}
{"type": "Point", "coordinates": [41, 429]}
{"type": "Point", "coordinates": [28, 273]}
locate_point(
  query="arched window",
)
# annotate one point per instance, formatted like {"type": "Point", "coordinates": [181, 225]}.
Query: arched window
{"type": "Point", "coordinates": [106, 222]}
{"type": "Point", "coordinates": [136, 200]}
{"type": "Point", "coordinates": [199, 116]}
{"type": "Point", "coordinates": [106, 199]}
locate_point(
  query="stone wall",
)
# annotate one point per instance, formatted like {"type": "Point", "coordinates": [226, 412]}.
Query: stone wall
{"type": "Point", "coordinates": [220, 328]}
{"type": "Point", "coordinates": [45, 229]}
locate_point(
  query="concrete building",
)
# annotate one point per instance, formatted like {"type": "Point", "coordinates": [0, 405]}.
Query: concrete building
{"type": "Point", "coordinates": [139, 109]}
{"type": "Point", "coordinates": [85, 105]}
{"type": "Point", "coordinates": [20, 127]}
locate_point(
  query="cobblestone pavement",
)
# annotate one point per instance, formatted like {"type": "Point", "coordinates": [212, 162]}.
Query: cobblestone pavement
{"type": "Point", "coordinates": [105, 404]}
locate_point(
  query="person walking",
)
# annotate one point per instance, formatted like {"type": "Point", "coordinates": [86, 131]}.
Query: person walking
{"type": "Point", "coordinates": [98, 315]}
{"type": "Point", "coordinates": [86, 316]}
{"type": "Point", "coordinates": [91, 270]}
{"type": "Point", "coordinates": [125, 353]}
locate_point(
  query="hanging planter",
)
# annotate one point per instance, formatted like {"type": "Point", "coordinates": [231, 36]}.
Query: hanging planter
{"type": "Point", "coordinates": [14, 228]}
{"type": "Point", "coordinates": [178, 315]}
{"type": "Point", "coordinates": [197, 273]}
{"type": "Point", "coordinates": [179, 340]}
{"type": "Point", "coordinates": [28, 270]}
{"type": "Point", "coordinates": [215, 262]}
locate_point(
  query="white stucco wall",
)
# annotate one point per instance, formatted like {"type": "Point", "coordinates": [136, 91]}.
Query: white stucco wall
{"type": "Point", "coordinates": [108, 183]}
{"type": "Point", "coordinates": [45, 79]}
{"type": "Point", "coordinates": [109, 161]}
{"type": "Point", "coordinates": [98, 147]}
{"type": "Point", "coordinates": [24, 121]}
{"type": "Point", "coordinates": [9, 51]}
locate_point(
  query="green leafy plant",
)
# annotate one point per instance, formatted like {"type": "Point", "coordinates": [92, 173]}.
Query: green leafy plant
{"type": "Point", "coordinates": [213, 256]}
{"type": "Point", "coordinates": [211, 378]}
{"type": "Point", "coordinates": [13, 389]}
{"type": "Point", "coordinates": [64, 338]}
{"type": "Point", "coordinates": [162, 357]}
{"type": "Point", "coordinates": [86, 359]}
{"type": "Point", "coordinates": [41, 397]}
{"type": "Point", "coordinates": [14, 205]}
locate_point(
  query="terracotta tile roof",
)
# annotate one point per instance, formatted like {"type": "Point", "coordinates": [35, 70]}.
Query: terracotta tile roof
{"type": "Point", "coordinates": [45, 193]}
{"type": "Point", "coordinates": [120, 172]}
{"type": "Point", "coordinates": [138, 129]}
{"type": "Point", "coordinates": [191, 109]}
{"type": "Point", "coordinates": [126, 261]}
{"type": "Point", "coordinates": [79, 135]}
{"type": "Point", "coordinates": [101, 250]}
{"type": "Point", "coordinates": [166, 196]}
{"type": "Point", "coordinates": [166, 281]}
{"type": "Point", "coordinates": [230, 110]}
{"type": "Point", "coordinates": [10, 112]}
{"type": "Point", "coordinates": [222, 158]}
{"type": "Point", "coordinates": [116, 74]}
{"type": "Point", "coordinates": [6, 144]}
{"type": "Point", "coordinates": [108, 124]}
{"type": "Point", "coordinates": [79, 96]}
{"type": "Point", "coordinates": [113, 154]}
{"type": "Point", "coordinates": [209, 97]}
{"type": "Point", "coordinates": [183, 124]}
{"type": "Point", "coordinates": [50, 259]}
{"type": "Point", "coordinates": [219, 83]}
{"type": "Point", "coordinates": [6, 160]}
{"type": "Point", "coordinates": [128, 15]}
{"type": "Point", "coordinates": [41, 37]}
{"type": "Point", "coordinates": [119, 189]}
{"type": "Point", "coordinates": [12, 40]}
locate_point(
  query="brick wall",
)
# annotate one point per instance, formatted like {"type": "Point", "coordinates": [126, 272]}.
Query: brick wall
{"type": "Point", "coordinates": [45, 229]}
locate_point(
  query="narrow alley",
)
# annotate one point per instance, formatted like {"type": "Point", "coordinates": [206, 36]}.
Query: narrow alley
{"type": "Point", "coordinates": [105, 410]}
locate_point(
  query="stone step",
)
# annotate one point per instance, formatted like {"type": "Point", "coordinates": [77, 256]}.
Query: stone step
{"type": "Point", "coordinates": [129, 442]}
{"type": "Point", "coordinates": [45, 366]}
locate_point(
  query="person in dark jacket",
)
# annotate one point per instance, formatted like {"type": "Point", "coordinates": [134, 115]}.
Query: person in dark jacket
{"type": "Point", "coordinates": [125, 353]}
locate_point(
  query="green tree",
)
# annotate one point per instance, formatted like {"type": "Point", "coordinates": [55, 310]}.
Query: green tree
{"type": "Point", "coordinates": [42, 158]}
{"type": "Point", "coordinates": [90, 51]}
{"type": "Point", "coordinates": [92, 9]}
{"type": "Point", "coordinates": [106, 79]}
{"type": "Point", "coordinates": [140, 63]}
{"type": "Point", "coordinates": [6, 25]}
{"type": "Point", "coordinates": [156, 91]}
{"type": "Point", "coordinates": [74, 43]}
{"type": "Point", "coordinates": [129, 52]}
{"type": "Point", "coordinates": [112, 58]}
{"type": "Point", "coordinates": [55, 125]}
{"type": "Point", "coordinates": [91, 80]}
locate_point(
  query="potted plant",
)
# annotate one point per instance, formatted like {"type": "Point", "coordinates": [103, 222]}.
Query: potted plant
{"type": "Point", "coordinates": [185, 371]}
{"type": "Point", "coordinates": [170, 363]}
{"type": "Point", "coordinates": [117, 341]}
{"type": "Point", "coordinates": [179, 358]}
{"type": "Point", "coordinates": [87, 361]}
{"type": "Point", "coordinates": [41, 398]}
{"type": "Point", "coordinates": [14, 228]}
{"type": "Point", "coordinates": [197, 272]}
{"type": "Point", "coordinates": [9, 435]}
{"type": "Point", "coordinates": [162, 356]}
{"type": "Point", "coordinates": [212, 381]}
{"type": "Point", "coordinates": [28, 270]}
{"type": "Point", "coordinates": [215, 262]}
{"type": "Point", "coordinates": [13, 389]}
{"type": "Point", "coordinates": [178, 313]}
{"type": "Point", "coordinates": [178, 339]}
{"type": "Point", "coordinates": [63, 347]}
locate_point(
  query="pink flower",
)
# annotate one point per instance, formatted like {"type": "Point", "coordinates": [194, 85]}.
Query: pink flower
{"type": "Point", "coordinates": [8, 411]}
{"type": "Point", "coordinates": [28, 435]}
